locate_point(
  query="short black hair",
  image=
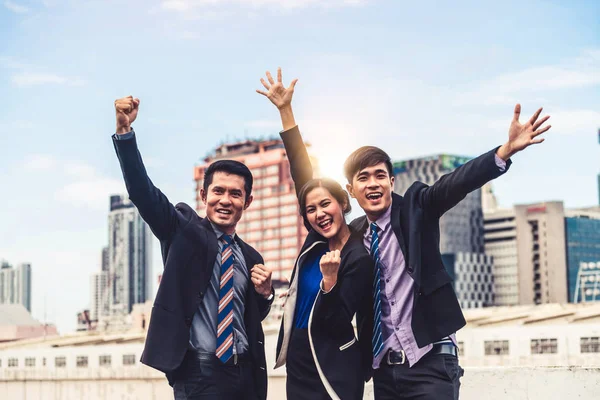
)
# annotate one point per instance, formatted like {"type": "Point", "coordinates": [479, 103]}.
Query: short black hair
{"type": "Point", "coordinates": [231, 167]}
{"type": "Point", "coordinates": [366, 156]}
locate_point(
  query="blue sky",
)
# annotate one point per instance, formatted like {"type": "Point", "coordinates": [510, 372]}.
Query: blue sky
{"type": "Point", "coordinates": [416, 78]}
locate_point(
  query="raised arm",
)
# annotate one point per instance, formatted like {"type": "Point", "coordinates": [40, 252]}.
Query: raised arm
{"type": "Point", "coordinates": [281, 97]}
{"type": "Point", "coordinates": [152, 204]}
{"type": "Point", "coordinates": [453, 187]}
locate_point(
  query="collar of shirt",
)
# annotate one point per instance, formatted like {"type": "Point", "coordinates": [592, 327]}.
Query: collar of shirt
{"type": "Point", "coordinates": [220, 233]}
{"type": "Point", "coordinates": [383, 222]}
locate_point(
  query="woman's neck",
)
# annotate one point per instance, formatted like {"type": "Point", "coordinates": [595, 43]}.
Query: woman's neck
{"type": "Point", "coordinates": [338, 241]}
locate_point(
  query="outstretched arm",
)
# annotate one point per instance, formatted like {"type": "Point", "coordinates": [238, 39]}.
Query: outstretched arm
{"type": "Point", "coordinates": [153, 205]}
{"type": "Point", "coordinates": [453, 187]}
{"type": "Point", "coordinates": [281, 97]}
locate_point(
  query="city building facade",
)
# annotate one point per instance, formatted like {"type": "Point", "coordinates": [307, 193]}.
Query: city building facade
{"type": "Point", "coordinates": [129, 257]}
{"type": "Point", "coordinates": [582, 230]}
{"type": "Point", "coordinates": [15, 284]}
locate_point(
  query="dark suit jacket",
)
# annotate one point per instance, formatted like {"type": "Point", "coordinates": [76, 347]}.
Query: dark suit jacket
{"type": "Point", "coordinates": [415, 221]}
{"type": "Point", "coordinates": [189, 250]}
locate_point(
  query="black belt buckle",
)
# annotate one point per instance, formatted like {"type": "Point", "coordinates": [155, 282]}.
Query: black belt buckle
{"type": "Point", "coordinates": [402, 357]}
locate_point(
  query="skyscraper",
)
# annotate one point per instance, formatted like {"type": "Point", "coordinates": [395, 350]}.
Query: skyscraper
{"type": "Point", "coordinates": [129, 257]}
{"type": "Point", "coordinates": [15, 284]}
{"type": "Point", "coordinates": [527, 243]}
{"type": "Point", "coordinates": [271, 224]}
{"type": "Point", "coordinates": [583, 254]}
{"type": "Point", "coordinates": [461, 230]}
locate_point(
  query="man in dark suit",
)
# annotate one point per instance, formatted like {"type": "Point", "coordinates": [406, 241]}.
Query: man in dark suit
{"type": "Point", "coordinates": [205, 331]}
{"type": "Point", "coordinates": [416, 312]}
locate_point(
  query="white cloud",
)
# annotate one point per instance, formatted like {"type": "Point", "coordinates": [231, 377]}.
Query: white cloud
{"type": "Point", "coordinates": [40, 162]}
{"type": "Point", "coordinates": [25, 79]}
{"type": "Point", "coordinates": [575, 121]}
{"type": "Point", "coordinates": [92, 192]}
{"type": "Point", "coordinates": [505, 89]}
{"type": "Point", "coordinates": [15, 7]}
{"type": "Point", "coordinates": [263, 124]}
{"type": "Point", "coordinates": [188, 5]}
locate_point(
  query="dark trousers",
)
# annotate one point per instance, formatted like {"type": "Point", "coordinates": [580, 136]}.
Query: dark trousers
{"type": "Point", "coordinates": [204, 377]}
{"type": "Point", "coordinates": [435, 377]}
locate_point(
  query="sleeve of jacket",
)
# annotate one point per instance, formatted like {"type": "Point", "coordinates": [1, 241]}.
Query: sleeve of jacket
{"type": "Point", "coordinates": [451, 188]}
{"type": "Point", "coordinates": [336, 308]}
{"type": "Point", "coordinates": [152, 204]}
{"type": "Point", "coordinates": [300, 165]}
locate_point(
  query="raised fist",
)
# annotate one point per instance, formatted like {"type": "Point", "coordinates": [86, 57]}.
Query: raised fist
{"type": "Point", "coordinates": [127, 111]}
{"type": "Point", "coordinates": [330, 264]}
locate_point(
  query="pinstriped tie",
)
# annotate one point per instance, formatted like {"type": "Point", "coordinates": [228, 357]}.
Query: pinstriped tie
{"type": "Point", "coordinates": [377, 340]}
{"type": "Point", "coordinates": [225, 314]}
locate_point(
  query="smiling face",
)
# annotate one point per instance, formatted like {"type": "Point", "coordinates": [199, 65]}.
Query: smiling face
{"type": "Point", "coordinates": [225, 200]}
{"type": "Point", "coordinates": [372, 187]}
{"type": "Point", "coordinates": [324, 213]}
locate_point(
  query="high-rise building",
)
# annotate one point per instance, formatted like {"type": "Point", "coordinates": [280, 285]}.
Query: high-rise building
{"type": "Point", "coordinates": [272, 224]}
{"type": "Point", "coordinates": [104, 259]}
{"type": "Point", "coordinates": [129, 257]}
{"type": "Point", "coordinates": [541, 253]}
{"type": "Point", "coordinates": [501, 244]}
{"type": "Point", "coordinates": [527, 244]}
{"type": "Point", "coordinates": [461, 229]}
{"type": "Point", "coordinates": [15, 284]}
{"type": "Point", "coordinates": [473, 278]}
{"type": "Point", "coordinates": [583, 254]}
{"type": "Point", "coordinates": [99, 300]}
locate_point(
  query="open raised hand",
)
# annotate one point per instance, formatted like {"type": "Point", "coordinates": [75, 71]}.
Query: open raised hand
{"type": "Point", "coordinates": [521, 136]}
{"type": "Point", "coordinates": [276, 92]}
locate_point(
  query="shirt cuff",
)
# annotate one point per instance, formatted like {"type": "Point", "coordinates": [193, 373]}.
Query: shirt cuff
{"type": "Point", "coordinates": [323, 290]}
{"type": "Point", "coordinates": [500, 163]}
{"type": "Point", "coordinates": [127, 135]}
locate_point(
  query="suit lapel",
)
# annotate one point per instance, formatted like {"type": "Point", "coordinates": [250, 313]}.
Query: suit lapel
{"type": "Point", "coordinates": [212, 247]}
{"type": "Point", "coordinates": [397, 203]}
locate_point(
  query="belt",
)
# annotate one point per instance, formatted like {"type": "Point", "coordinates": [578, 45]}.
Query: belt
{"type": "Point", "coordinates": [399, 357]}
{"type": "Point", "coordinates": [211, 357]}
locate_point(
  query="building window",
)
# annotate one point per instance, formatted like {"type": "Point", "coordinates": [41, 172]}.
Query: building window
{"type": "Point", "coordinates": [461, 349]}
{"type": "Point", "coordinates": [128, 359]}
{"type": "Point", "coordinates": [590, 344]}
{"type": "Point", "coordinates": [60, 362]}
{"type": "Point", "coordinates": [82, 361]}
{"type": "Point", "coordinates": [13, 362]}
{"type": "Point", "coordinates": [496, 347]}
{"type": "Point", "coordinates": [44, 361]}
{"type": "Point", "coordinates": [30, 362]}
{"type": "Point", "coordinates": [105, 361]}
{"type": "Point", "coordinates": [544, 346]}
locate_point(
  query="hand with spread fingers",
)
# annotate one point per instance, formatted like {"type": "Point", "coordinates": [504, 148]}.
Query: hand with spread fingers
{"type": "Point", "coordinates": [281, 97]}
{"type": "Point", "coordinates": [330, 264]}
{"type": "Point", "coordinates": [261, 278]}
{"type": "Point", "coordinates": [521, 136]}
{"type": "Point", "coordinates": [127, 110]}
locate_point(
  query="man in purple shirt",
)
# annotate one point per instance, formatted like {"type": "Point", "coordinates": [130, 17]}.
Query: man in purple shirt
{"type": "Point", "coordinates": [416, 312]}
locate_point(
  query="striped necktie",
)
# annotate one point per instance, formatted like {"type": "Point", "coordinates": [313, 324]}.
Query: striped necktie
{"type": "Point", "coordinates": [225, 314]}
{"type": "Point", "coordinates": [377, 340]}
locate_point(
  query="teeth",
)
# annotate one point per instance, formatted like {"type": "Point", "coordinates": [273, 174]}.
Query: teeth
{"type": "Point", "coordinates": [325, 223]}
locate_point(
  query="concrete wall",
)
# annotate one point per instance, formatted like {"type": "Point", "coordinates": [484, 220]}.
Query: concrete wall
{"type": "Point", "coordinates": [490, 383]}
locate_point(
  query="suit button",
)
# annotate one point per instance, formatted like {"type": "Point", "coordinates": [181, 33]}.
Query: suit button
{"type": "Point", "coordinates": [188, 322]}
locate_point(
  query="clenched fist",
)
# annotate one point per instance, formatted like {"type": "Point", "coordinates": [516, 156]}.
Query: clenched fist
{"type": "Point", "coordinates": [261, 278]}
{"type": "Point", "coordinates": [127, 111]}
{"type": "Point", "coordinates": [330, 264]}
